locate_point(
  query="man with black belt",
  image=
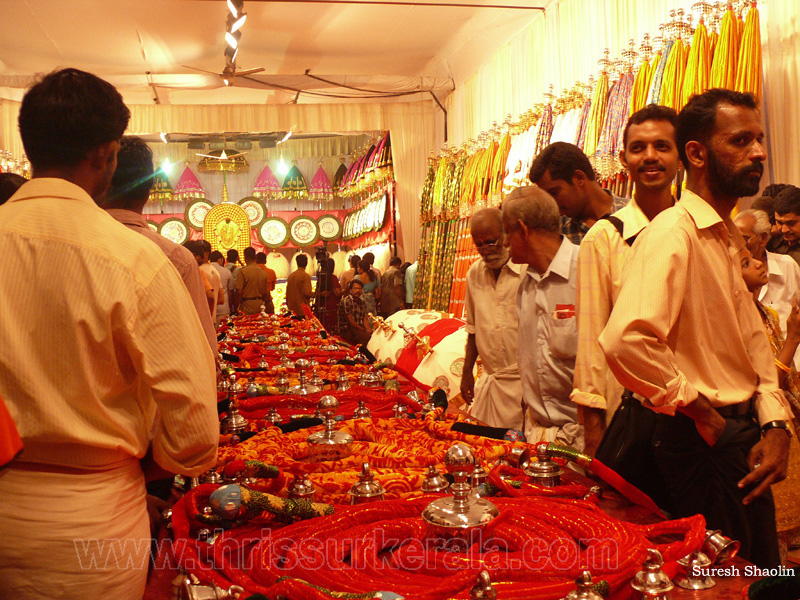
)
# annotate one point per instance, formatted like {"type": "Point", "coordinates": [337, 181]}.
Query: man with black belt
{"type": "Point", "coordinates": [252, 286]}
{"type": "Point", "coordinates": [685, 335]}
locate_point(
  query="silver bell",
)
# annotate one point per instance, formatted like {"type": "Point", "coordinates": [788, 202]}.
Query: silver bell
{"type": "Point", "coordinates": [434, 481]}
{"type": "Point", "coordinates": [720, 549]}
{"type": "Point", "coordinates": [361, 411]}
{"type": "Point", "coordinates": [693, 578]}
{"type": "Point", "coordinates": [301, 488]}
{"type": "Point", "coordinates": [483, 590]}
{"type": "Point", "coordinates": [366, 489]}
{"type": "Point", "coordinates": [651, 583]}
{"type": "Point", "coordinates": [583, 591]}
{"type": "Point", "coordinates": [543, 471]}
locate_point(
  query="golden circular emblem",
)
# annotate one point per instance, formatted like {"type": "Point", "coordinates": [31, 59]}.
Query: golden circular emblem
{"type": "Point", "coordinates": [227, 226]}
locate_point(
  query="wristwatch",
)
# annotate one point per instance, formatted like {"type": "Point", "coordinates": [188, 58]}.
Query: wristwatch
{"type": "Point", "coordinates": [776, 425]}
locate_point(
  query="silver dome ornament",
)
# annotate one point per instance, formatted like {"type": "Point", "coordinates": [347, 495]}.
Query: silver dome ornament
{"type": "Point", "coordinates": [366, 489]}
{"type": "Point", "coordinates": [583, 591]}
{"type": "Point", "coordinates": [457, 521]}
{"type": "Point", "coordinates": [483, 589]}
{"type": "Point", "coordinates": [236, 387]}
{"type": "Point", "coordinates": [543, 471]}
{"type": "Point", "coordinates": [211, 476]}
{"type": "Point", "coordinates": [692, 578]}
{"type": "Point", "coordinates": [651, 583]}
{"type": "Point", "coordinates": [283, 350]}
{"type": "Point", "coordinates": [479, 476]}
{"type": "Point", "coordinates": [400, 411]}
{"type": "Point", "coordinates": [272, 416]}
{"type": "Point", "coordinates": [720, 549]}
{"type": "Point", "coordinates": [282, 382]}
{"type": "Point", "coordinates": [207, 510]}
{"type": "Point", "coordinates": [371, 379]}
{"type": "Point", "coordinates": [329, 444]}
{"type": "Point", "coordinates": [303, 388]}
{"type": "Point", "coordinates": [301, 488]}
{"type": "Point", "coordinates": [434, 481]}
{"type": "Point", "coordinates": [262, 363]}
{"type": "Point", "coordinates": [233, 423]}
{"type": "Point", "coordinates": [316, 380]}
{"type": "Point", "coordinates": [361, 411]}
{"type": "Point", "coordinates": [252, 390]}
{"type": "Point", "coordinates": [224, 385]}
{"type": "Point", "coordinates": [342, 382]}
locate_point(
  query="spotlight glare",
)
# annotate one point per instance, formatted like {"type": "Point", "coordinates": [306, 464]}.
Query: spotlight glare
{"type": "Point", "coordinates": [233, 10]}
{"type": "Point", "coordinates": [167, 166]}
{"type": "Point", "coordinates": [287, 136]}
{"type": "Point", "coordinates": [226, 81]}
{"type": "Point", "coordinates": [232, 41]}
{"type": "Point", "coordinates": [283, 168]}
{"type": "Point", "coordinates": [238, 23]}
{"type": "Point", "coordinates": [163, 137]}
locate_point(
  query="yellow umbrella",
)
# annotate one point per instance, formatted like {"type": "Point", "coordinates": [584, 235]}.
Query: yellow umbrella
{"type": "Point", "coordinates": [597, 114]}
{"type": "Point", "coordinates": [651, 75]}
{"type": "Point", "coordinates": [713, 38]}
{"type": "Point", "coordinates": [695, 79]}
{"type": "Point", "coordinates": [726, 54]}
{"type": "Point", "coordinates": [673, 74]}
{"type": "Point", "coordinates": [748, 75]}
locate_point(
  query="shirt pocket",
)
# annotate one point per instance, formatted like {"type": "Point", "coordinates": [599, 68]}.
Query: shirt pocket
{"type": "Point", "coordinates": [563, 337]}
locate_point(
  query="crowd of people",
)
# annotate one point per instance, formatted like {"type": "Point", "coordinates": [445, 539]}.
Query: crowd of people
{"type": "Point", "coordinates": [658, 335]}
{"type": "Point", "coordinates": [650, 333]}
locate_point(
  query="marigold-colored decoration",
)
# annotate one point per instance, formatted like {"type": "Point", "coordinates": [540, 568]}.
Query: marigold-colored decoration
{"type": "Point", "coordinates": [227, 226]}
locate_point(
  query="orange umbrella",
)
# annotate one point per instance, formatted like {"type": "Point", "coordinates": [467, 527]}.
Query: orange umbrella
{"type": "Point", "coordinates": [748, 75]}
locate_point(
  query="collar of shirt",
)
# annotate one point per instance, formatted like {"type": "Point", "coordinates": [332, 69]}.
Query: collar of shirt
{"type": "Point", "coordinates": [633, 219]}
{"type": "Point", "coordinates": [705, 217]}
{"type": "Point", "coordinates": [561, 264]}
{"type": "Point", "coordinates": [127, 217]}
{"type": "Point", "coordinates": [773, 270]}
{"type": "Point", "coordinates": [515, 268]}
{"type": "Point", "coordinates": [52, 187]}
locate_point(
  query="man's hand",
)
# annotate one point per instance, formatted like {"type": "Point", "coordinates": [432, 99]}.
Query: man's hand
{"type": "Point", "coordinates": [710, 424]}
{"type": "Point", "coordinates": [768, 462]}
{"type": "Point", "coordinates": [467, 386]}
{"type": "Point", "coordinates": [594, 426]}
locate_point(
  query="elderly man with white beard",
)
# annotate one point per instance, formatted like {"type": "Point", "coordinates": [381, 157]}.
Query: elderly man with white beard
{"type": "Point", "coordinates": [491, 313]}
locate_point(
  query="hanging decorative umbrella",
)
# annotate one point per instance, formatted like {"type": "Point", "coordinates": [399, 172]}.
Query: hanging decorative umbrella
{"type": "Point", "coordinates": [188, 187]}
{"type": "Point", "coordinates": [384, 167]}
{"type": "Point", "coordinates": [655, 94]}
{"type": "Point", "coordinates": [726, 54]}
{"type": "Point", "coordinates": [597, 114]}
{"type": "Point", "coordinates": [162, 189]}
{"type": "Point", "coordinates": [339, 175]}
{"type": "Point", "coordinates": [294, 185]}
{"type": "Point", "coordinates": [321, 189]}
{"type": "Point", "coordinates": [267, 186]}
{"type": "Point", "coordinates": [695, 79]}
{"type": "Point", "coordinates": [673, 75]}
{"type": "Point", "coordinates": [748, 74]}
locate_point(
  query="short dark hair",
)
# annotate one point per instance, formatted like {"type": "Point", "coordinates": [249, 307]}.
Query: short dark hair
{"type": "Point", "coordinates": [354, 260]}
{"type": "Point", "coordinates": [773, 189]}
{"type": "Point", "coordinates": [233, 255]}
{"type": "Point", "coordinates": [302, 261]}
{"type": "Point", "coordinates": [788, 201]}
{"type": "Point", "coordinates": [367, 268]}
{"type": "Point", "coordinates": [205, 245]}
{"type": "Point", "coordinates": [355, 281]}
{"type": "Point", "coordinates": [369, 257]}
{"type": "Point", "coordinates": [68, 114]}
{"type": "Point", "coordinates": [249, 254]}
{"type": "Point", "coordinates": [561, 160]}
{"type": "Point", "coordinates": [261, 258]}
{"type": "Point", "coordinates": [697, 119]}
{"type": "Point", "coordinates": [9, 184]}
{"type": "Point", "coordinates": [651, 112]}
{"type": "Point", "coordinates": [215, 256]}
{"type": "Point", "coordinates": [395, 261]}
{"type": "Point", "coordinates": [131, 183]}
{"type": "Point", "coordinates": [195, 247]}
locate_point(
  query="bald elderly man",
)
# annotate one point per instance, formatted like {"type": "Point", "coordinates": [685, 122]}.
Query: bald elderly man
{"type": "Point", "coordinates": [491, 313]}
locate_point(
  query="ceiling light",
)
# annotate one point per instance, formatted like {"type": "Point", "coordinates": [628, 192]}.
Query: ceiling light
{"type": "Point", "coordinates": [283, 168]}
{"type": "Point", "coordinates": [164, 137]}
{"type": "Point", "coordinates": [233, 42]}
{"type": "Point", "coordinates": [287, 136]}
{"type": "Point", "coordinates": [233, 9]}
{"type": "Point", "coordinates": [238, 23]}
{"type": "Point", "coordinates": [166, 166]}
{"type": "Point", "coordinates": [225, 80]}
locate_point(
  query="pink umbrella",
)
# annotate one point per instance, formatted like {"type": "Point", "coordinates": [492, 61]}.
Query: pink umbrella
{"type": "Point", "coordinates": [188, 187]}
{"type": "Point", "coordinates": [320, 189]}
{"type": "Point", "coordinates": [267, 186]}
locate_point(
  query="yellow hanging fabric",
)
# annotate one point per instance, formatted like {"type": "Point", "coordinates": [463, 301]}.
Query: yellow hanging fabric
{"type": "Point", "coordinates": [748, 74]}
{"type": "Point", "coordinates": [723, 69]}
{"type": "Point", "coordinates": [673, 75]}
{"type": "Point", "coordinates": [695, 79]}
{"type": "Point", "coordinates": [597, 115]}
{"type": "Point", "coordinates": [640, 87]}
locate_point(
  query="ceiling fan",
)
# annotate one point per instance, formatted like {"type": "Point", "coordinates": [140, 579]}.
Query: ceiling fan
{"type": "Point", "coordinates": [229, 73]}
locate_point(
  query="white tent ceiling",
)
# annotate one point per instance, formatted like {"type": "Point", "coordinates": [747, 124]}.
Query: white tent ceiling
{"type": "Point", "coordinates": [392, 48]}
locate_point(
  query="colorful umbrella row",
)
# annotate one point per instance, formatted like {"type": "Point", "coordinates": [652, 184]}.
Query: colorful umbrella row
{"type": "Point", "coordinates": [374, 167]}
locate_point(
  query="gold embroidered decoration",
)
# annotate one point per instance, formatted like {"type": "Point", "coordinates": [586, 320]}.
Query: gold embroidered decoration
{"type": "Point", "coordinates": [227, 226]}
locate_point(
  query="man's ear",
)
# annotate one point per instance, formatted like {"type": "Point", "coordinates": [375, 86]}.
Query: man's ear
{"type": "Point", "coordinates": [100, 156]}
{"type": "Point", "coordinates": [579, 178]}
{"type": "Point", "coordinates": [622, 160]}
{"type": "Point", "coordinates": [696, 154]}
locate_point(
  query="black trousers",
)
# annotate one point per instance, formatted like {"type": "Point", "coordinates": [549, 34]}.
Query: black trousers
{"type": "Point", "coordinates": [702, 479]}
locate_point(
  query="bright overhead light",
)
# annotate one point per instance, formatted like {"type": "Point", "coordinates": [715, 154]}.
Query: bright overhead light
{"type": "Point", "coordinates": [283, 168]}
{"type": "Point", "coordinates": [167, 166]}
{"type": "Point", "coordinates": [238, 23]}
{"type": "Point", "coordinates": [287, 136]}
{"type": "Point", "coordinates": [233, 9]}
{"type": "Point", "coordinates": [225, 80]}
{"type": "Point", "coordinates": [163, 137]}
{"type": "Point", "coordinates": [231, 39]}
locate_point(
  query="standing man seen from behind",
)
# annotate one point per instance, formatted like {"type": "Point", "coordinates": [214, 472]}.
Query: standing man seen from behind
{"type": "Point", "coordinates": [686, 336]}
{"type": "Point", "coordinates": [102, 336]}
{"type": "Point", "coordinates": [392, 294]}
{"type": "Point", "coordinates": [218, 263]}
{"type": "Point", "coordinates": [347, 276]}
{"type": "Point", "coordinates": [298, 287]}
{"type": "Point", "coordinates": [787, 216]}
{"type": "Point", "coordinates": [563, 171]}
{"type": "Point", "coordinates": [213, 278]}
{"type": "Point", "coordinates": [491, 315]}
{"type": "Point", "coordinates": [232, 263]}
{"type": "Point", "coordinates": [125, 201]}
{"type": "Point", "coordinates": [252, 286]}
{"type": "Point", "coordinates": [547, 339]}
{"type": "Point", "coordinates": [650, 154]}
{"type": "Point", "coordinates": [272, 279]}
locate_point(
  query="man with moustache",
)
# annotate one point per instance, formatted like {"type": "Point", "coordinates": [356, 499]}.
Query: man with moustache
{"type": "Point", "coordinates": [547, 335]}
{"type": "Point", "coordinates": [650, 154]}
{"type": "Point", "coordinates": [491, 314]}
{"type": "Point", "coordinates": [685, 335]}
{"type": "Point", "coordinates": [787, 217]}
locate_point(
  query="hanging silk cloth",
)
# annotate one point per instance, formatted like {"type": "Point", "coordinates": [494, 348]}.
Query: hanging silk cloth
{"type": "Point", "coordinates": [654, 97]}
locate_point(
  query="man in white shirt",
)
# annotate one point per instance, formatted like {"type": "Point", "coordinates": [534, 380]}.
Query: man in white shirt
{"type": "Point", "coordinates": [213, 278]}
{"type": "Point", "coordinates": [686, 336]}
{"type": "Point", "coordinates": [491, 314]}
{"type": "Point", "coordinates": [226, 278]}
{"type": "Point", "coordinates": [783, 285]}
{"type": "Point", "coordinates": [547, 339]}
{"type": "Point", "coordinates": [650, 153]}
{"type": "Point", "coordinates": [101, 336]}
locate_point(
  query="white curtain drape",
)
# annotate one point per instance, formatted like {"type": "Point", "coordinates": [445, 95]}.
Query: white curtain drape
{"type": "Point", "coordinates": [411, 125]}
{"type": "Point", "coordinates": [564, 44]}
